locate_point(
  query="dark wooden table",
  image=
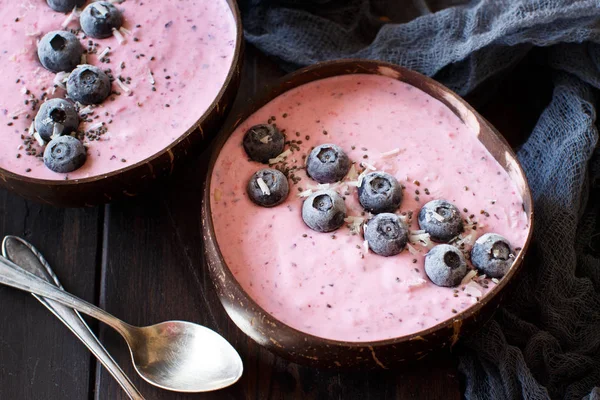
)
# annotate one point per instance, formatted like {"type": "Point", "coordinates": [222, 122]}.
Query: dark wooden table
{"type": "Point", "coordinates": [142, 260]}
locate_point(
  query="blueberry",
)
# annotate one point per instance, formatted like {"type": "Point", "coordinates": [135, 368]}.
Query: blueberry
{"type": "Point", "coordinates": [380, 192]}
{"type": "Point", "coordinates": [324, 211]}
{"type": "Point", "coordinates": [88, 85]}
{"type": "Point", "coordinates": [441, 219]}
{"type": "Point", "coordinates": [99, 19]}
{"type": "Point", "coordinates": [64, 154]}
{"type": "Point", "coordinates": [492, 255]}
{"type": "Point", "coordinates": [327, 163]}
{"type": "Point", "coordinates": [65, 5]}
{"type": "Point", "coordinates": [56, 117]}
{"type": "Point", "coordinates": [386, 234]}
{"type": "Point", "coordinates": [272, 188]}
{"type": "Point", "coordinates": [445, 265]}
{"type": "Point", "coordinates": [60, 51]}
{"type": "Point", "coordinates": [263, 142]}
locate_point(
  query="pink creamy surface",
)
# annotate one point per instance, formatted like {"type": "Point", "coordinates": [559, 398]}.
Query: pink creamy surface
{"type": "Point", "coordinates": [319, 283]}
{"type": "Point", "coordinates": [193, 44]}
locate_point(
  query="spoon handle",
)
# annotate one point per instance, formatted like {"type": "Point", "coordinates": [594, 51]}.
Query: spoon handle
{"type": "Point", "coordinates": [11, 275]}
{"type": "Point", "coordinates": [30, 259]}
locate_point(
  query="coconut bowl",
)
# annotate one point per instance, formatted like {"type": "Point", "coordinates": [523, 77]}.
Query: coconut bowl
{"type": "Point", "coordinates": [315, 351]}
{"type": "Point", "coordinates": [136, 178]}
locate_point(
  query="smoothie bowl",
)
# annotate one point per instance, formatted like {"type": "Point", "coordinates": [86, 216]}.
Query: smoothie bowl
{"type": "Point", "coordinates": [363, 215]}
{"type": "Point", "coordinates": [101, 98]}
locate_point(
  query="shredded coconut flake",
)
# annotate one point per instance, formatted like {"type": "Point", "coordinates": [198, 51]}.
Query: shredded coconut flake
{"type": "Point", "coordinates": [72, 16]}
{"type": "Point", "coordinates": [361, 177]}
{"type": "Point", "coordinates": [352, 174]}
{"type": "Point", "coordinates": [404, 218]}
{"type": "Point", "coordinates": [57, 129]}
{"type": "Point", "coordinates": [412, 250]}
{"type": "Point", "coordinates": [265, 139]}
{"type": "Point", "coordinates": [496, 281]}
{"type": "Point", "coordinates": [39, 139]}
{"type": "Point", "coordinates": [423, 239]}
{"type": "Point", "coordinates": [412, 283]}
{"type": "Point", "coordinates": [467, 240]}
{"type": "Point", "coordinates": [123, 86]}
{"type": "Point", "coordinates": [104, 52]}
{"type": "Point", "coordinates": [118, 35]}
{"type": "Point", "coordinates": [32, 128]}
{"type": "Point", "coordinates": [125, 31]}
{"type": "Point", "coordinates": [86, 110]}
{"type": "Point", "coordinates": [468, 277]}
{"type": "Point", "coordinates": [352, 183]}
{"type": "Point", "coordinates": [368, 166]}
{"type": "Point", "coordinates": [366, 245]}
{"type": "Point", "coordinates": [305, 193]}
{"type": "Point", "coordinates": [354, 223]}
{"type": "Point", "coordinates": [151, 75]}
{"type": "Point", "coordinates": [102, 9]}
{"type": "Point", "coordinates": [390, 153]}
{"type": "Point", "coordinates": [60, 79]}
{"type": "Point", "coordinates": [19, 112]}
{"type": "Point", "coordinates": [263, 187]}
{"type": "Point", "coordinates": [437, 216]}
{"type": "Point", "coordinates": [97, 125]}
{"type": "Point", "coordinates": [280, 157]}
{"type": "Point", "coordinates": [473, 289]}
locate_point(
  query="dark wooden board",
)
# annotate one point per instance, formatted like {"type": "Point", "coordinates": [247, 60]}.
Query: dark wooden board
{"type": "Point", "coordinates": [39, 357]}
{"type": "Point", "coordinates": [155, 271]}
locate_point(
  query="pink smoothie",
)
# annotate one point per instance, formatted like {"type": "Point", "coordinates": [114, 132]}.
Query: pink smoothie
{"type": "Point", "coordinates": [188, 46]}
{"type": "Point", "coordinates": [327, 284]}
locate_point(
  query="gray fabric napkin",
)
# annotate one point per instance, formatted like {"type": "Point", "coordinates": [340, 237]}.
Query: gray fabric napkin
{"type": "Point", "coordinates": [545, 343]}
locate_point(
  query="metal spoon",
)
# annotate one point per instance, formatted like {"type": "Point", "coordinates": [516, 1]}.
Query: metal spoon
{"type": "Point", "coordinates": [30, 259]}
{"type": "Point", "coordinates": [175, 355]}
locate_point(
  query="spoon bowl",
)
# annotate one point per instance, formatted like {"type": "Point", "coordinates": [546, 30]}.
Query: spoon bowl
{"type": "Point", "coordinates": [175, 356]}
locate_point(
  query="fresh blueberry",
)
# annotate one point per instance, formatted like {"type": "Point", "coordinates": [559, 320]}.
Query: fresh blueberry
{"type": "Point", "coordinates": [327, 163]}
{"type": "Point", "coordinates": [380, 192]}
{"type": "Point", "coordinates": [441, 219]}
{"type": "Point", "coordinates": [263, 142]}
{"type": "Point", "coordinates": [268, 187]}
{"type": "Point", "coordinates": [88, 85]}
{"type": "Point", "coordinates": [99, 19]}
{"type": "Point", "coordinates": [64, 154]}
{"type": "Point", "coordinates": [324, 211]}
{"type": "Point", "coordinates": [60, 51]}
{"type": "Point", "coordinates": [492, 255]}
{"type": "Point", "coordinates": [445, 265]}
{"type": "Point", "coordinates": [56, 117]}
{"type": "Point", "coordinates": [386, 234]}
{"type": "Point", "coordinates": [65, 5]}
